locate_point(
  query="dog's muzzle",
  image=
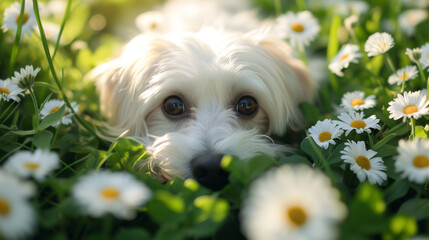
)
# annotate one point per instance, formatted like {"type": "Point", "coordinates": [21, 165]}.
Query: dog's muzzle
{"type": "Point", "coordinates": [208, 172]}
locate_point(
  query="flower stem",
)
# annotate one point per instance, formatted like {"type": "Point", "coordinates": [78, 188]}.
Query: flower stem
{"type": "Point", "coordinates": [56, 135]}
{"type": "Point", "coordinates": [303, 57]}
{"type": "Point", "coordinates": [413, 128]}
{"type": "Point", "coordinates": [321, 158]}
{"type": "Point", "coordinates": [403, 83]}
{"type": "Point", "coordinates": [390, 63]}
{"type": "Point", "coordinates": [301, 5]}
{"type": "Point", "coordinates": [422, 73]}
{"type": "Point", "coordinates": [36, 108]}
{"type": "Point", "coordinates": [278, 7]}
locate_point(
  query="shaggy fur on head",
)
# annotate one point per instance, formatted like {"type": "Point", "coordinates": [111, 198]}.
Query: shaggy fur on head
{"type": "Point", "coordinates": [210, 71]}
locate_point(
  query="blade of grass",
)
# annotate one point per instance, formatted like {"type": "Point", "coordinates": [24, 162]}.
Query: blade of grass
{"type": "Point", "coordinates": [333, 48]}
{"type": "Point", "coordinates": [14, 53]}
{"type": "Point", "coordinates": [63, 23]}
{"type": "Point", "coordinates": [10, 114]}
{"type": "Point", "coordinates": [54, 74]}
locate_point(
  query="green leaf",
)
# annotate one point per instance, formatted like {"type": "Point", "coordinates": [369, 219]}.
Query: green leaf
{"type": "Point", "coordinates": [384, 141]}
{"type": "Point", "coordinates": [126, 153]}
{"type": "Point", "coordinates": [335, 156]}
{"type": "Point", "coordinates": [396, 191]}
{"type": "Point", "coordinates": [374, 65]}
{"type": "Point", "coordinates": [420, 132]}
{"type": "Point", "coordinates": [208, 216]}
{"type": "Point", "coordinates": [246, 171]}
{"type": "Point", "coordinates": [132, 234]}
{"type": "Point", "coordinates": [310, 112]}
{"type": "Point", "coordinates": [168, 232]}
{"type": "Point", "coordinates": [24, 132]}
{"type": "Point", "coordinates": [166, 208]}
{"type": "Point", "coordinates": [43, 139]}
{"type": "Point", "coordinates": [399, 129]}
{"type": "Point", "coordinates": [416, 208]}
{"type": "Point", "coordinates": [52, 118]}
{"type": "Point", "coordinates": [295, 159]}
{"type": "Point", "coordinates": [308, 149]}
{"type": "Point", "coordinates": [386, 151]}
{"type": "Point", "coordinates": [366, 211]}
{"type": "Point", "coordinates": [401, 227]}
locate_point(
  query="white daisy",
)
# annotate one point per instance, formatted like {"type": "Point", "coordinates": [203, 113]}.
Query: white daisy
{"type": "Point", "coordinates": [300, 28]}
{"type": "Point", "coordinates": [292, 202]}
{"type": "Point", "coordinates": [54, 105]}
{"type": "Point", "coordinates": [27, 164]}
{"type": "Point", "coordinates": [347, 54]}
{"type": "Point", "coordinates": [363, 162]}
{"type": "Point", "coordinates": [350, 22]}
{"type": "Point", "coordinates": [356, 121]}
{"type": "Point", "coordinates": [416, 3]}
{"type": "Point", "coordinates": [324, 133]}
{"type": "Point", "coordinates": [409, 105]}
{"type": "Point", "coordinates": [409, 19]}
{"type": "Point", "coordinates": [25, 77]}
{"type": "Point", "coordinates": [406, 73]}
{"type": "Point", "coordinates": [12, 14]}
{"type": "Point", "coordinates": [378, 43]}
{"type": "Point", "coordinates": [356, 100]}
{"type": "Point", "coordinates": [413, 160]}
{"type": "Point", "coordinates": [424, 59]}
{"type": "Point", "coordinates": [152, 21]}
{"type": "Point", "coordinates": [105, 192]}
{"type": "Point", "coordinates": [346, 8]}
{"type": "Point", "coordinates": [17, 217]}
{"type": "Point", "coordinates": [10, 91]}
{"type": "Point", "coordinates": [414, 54]}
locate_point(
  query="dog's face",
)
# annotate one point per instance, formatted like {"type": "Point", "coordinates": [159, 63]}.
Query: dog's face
{"type": "Point", "coordinates": [193, 97]}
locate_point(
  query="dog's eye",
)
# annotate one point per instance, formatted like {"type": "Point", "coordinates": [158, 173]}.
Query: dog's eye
{"type": "Point", "coordinates": [247, 106]}
{"type": "Point", "coordinates": [174, 106]}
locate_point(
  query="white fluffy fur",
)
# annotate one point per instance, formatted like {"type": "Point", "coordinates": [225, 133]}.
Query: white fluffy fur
{"type": "Point", "coordinates": [210, 70]}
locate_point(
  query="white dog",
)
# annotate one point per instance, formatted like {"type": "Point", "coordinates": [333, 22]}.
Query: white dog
{"type": "Point", "coordinates": [192, 97]}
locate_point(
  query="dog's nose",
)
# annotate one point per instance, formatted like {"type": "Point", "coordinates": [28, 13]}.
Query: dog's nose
{"type": "Point", "coordinates": [208, 172]}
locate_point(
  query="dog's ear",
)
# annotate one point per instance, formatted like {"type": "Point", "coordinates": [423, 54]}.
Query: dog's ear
{"type": "Point", "coordinates": [297, 82]}
{"type": "Point", "coordinates": [121, 81]}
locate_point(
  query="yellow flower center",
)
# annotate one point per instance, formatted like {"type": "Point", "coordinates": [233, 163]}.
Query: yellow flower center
{"type": "Point", "coordinates": [24, 18]}
{"type": "Point", "coordinates": [153, 25]}
{"type": "Point", "coordinates": [296, 215]}
{"type": "Point", "coordinates": [344, 57]}
{"type": "Point", "coordinates": [54, 110]}
{"type": "Point", "coordinates": [403, 76]}
{"type": "Point", "coordinates": [4, 207]}
{"type": "Point", "coordinates": [357, 101]}
{"type": "Point", "coordinates": [31, 165]}
{"type": "Point", "coordinates": [358, 124]}
{"type": "Point", "coordinates": [325, 136]}
{"type": "Point", "coordinates": [4, 91]}
{"type": "Point", "coordinates": [363, 162]}
{"type": "Point", "coordinates": [410, 109]}
{"type": "Point", "coordinates": [297, 27]}
{"type": "Point", "coordinates": [110, 193]}
{"type": "Point", "coordinates": [421, 161]}
{"type": "Point", "coordinates": [382, 45]}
